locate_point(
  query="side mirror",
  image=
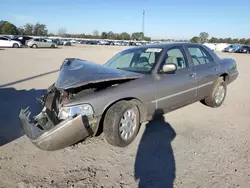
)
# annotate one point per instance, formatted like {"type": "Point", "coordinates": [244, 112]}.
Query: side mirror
{"type": "Point", "coordinates": [169, 68]}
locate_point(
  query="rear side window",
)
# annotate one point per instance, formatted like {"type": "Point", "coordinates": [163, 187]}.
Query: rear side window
{"type": "Point", "coordinates": [36, 40]}
{"type": "Point", "coordinates": [199, 56]}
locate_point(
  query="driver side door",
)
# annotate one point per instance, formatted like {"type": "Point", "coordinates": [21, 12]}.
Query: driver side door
{"type": "Point", "coordinates": [173, 90]}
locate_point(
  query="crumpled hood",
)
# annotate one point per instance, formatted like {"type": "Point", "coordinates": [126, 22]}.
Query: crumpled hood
{"type": "Point", "coordinates": [76, 72]}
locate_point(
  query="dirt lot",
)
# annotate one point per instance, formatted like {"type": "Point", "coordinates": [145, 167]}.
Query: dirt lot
{"type": "Point", "coordinates": [195, 146]}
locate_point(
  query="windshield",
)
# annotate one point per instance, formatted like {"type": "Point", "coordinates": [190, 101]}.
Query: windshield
{"type": "Point", "coordinates": [140, 60]}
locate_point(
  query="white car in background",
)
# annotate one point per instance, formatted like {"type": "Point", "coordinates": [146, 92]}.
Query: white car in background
{"type": "Point", "coordinates": [210, 45]}
{"type": "Point", "coordinates": [6, 42]}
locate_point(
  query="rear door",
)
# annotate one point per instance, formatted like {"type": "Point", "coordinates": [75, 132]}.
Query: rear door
{"type": "Point", "coordinates": [47, 43]}
{"type": "Point", "coordinates": [177, 89]}
{"type": "Point", "coordinates": [43, 43]}
{"type": "Point", "coordinates": [37, 42]}
{"type": "Point", "coordinates": [207, 69]}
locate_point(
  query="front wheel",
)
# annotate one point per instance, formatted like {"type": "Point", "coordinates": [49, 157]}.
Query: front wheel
{"type": "Point", "coordinates": [218, 94]}
{"type": "Point", "coordinates": [15, 45]}
{"type": "Point", "coordinates": [121, 123]}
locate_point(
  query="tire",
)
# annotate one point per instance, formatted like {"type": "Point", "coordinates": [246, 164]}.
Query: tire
{"type": "Point", "coordinates": [52, 46]}
{"type": "Point", "coordinates": [214, 100]}
{"type": "Point", "coordinates": [112, 123]}
{"type": "Point", "coordinates": [15, 45]}
{"type": "Point", "coordinates": [34, 46]}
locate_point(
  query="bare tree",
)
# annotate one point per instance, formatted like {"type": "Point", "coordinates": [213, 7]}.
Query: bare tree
{"type": "Point", "coordinates": [203, 37]}
{"type": "Point", "coordinates": [96, 33]}
{"type": "Point", "coordinates": [62, 31]}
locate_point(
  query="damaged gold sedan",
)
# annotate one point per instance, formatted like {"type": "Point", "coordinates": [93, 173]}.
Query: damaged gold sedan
{"type": "Point", "coordinates": [118, 96]}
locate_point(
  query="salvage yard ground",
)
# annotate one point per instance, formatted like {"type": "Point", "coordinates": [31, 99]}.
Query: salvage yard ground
{"type": "Point", "coordinates": [195, 146]}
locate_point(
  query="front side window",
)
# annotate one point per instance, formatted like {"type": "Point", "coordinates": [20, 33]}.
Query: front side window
{"type": "Point", "coordinates": [199, 56]}
{"type": "Point", "coordinates": [139, 60]}
{"type": "Point", "coordinates": [2, 38]}
{"type": "Point", "coordinates": [175, 56]}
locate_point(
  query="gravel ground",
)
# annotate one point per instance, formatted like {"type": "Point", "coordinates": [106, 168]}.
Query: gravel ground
{"type": "Point", "coordinates": [195, 146]}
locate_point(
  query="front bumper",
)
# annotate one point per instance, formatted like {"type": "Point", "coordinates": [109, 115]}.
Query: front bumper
{"type": "Point", "coordinates": [62, 135]}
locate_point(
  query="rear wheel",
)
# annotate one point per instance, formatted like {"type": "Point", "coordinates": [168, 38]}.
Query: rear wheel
{"type": "Point", "coordinates": [34, 46]}
{"type": "Point", "coordinates": [15, 45]}
{"type": "Point", "coordinates": [218, 94]}
{"type": "Point", "coordinates": [121, 123]}
{"type": "Point", "coordinates": [52, 46]}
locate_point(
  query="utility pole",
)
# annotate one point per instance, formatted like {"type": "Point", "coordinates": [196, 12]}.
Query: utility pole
{"type": "Point", "coordinates": [143, 19]}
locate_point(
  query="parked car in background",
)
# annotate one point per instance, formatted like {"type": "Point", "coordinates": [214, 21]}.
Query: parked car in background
{"type": "Point", "coordinates": [131, 88]}
{"type": "Point", "coordinates": [109, 42]}
{"type": "Point", "coordinates": [93, 42]}
{"type": "Point", "coordinates": [132, 43]}
{"type": "Point", "coordinates": [41, 43]}
{"type": "Point", "coordinates": [232, 48]}
{"type": "Point", "coordinates": [66, 43]}
{"type": "Point", "coordinates": [117, 43]}
{"type": "Point", "coordinates": [57, 41]}
{"type": "Point", "coordinates": [244, 49]}
{"type": "Point", "coordinates": [73, 41]}
{"type": "Point", "coordinates": [7, 42]}
{"type": "Point", "coordinates": [23, 39]}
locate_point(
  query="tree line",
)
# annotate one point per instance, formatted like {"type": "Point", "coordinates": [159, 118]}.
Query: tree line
{"type": "Point", "coordinates": [62, 32]}
{"type": "Point", "coordinates": [28, 29]}
{"type": "Point", "coordinates": [41, 30]}
{"type": "Point", "coordinates": [38, 29]}
{"type": "Point", "coordinates": [204, 37]}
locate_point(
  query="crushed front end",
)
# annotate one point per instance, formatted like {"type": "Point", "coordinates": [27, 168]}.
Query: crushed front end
{"type": "Point", "coordinates": [60, 124]}
{"type": "Point", "coordinates": [51, 129]}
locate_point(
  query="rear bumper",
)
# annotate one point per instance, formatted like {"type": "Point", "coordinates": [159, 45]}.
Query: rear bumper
{"type": "Point", "coordinates": [62, 135]}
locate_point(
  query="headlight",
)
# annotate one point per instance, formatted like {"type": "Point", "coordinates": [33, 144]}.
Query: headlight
{"type": "Point", "coordinates": [72, 111]}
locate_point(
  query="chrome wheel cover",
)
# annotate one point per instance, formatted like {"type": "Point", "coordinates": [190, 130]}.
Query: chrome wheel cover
{"type": "Point", "coordinates": [127, 125]}
{"type": "Point", "coordinates": [219, 94]}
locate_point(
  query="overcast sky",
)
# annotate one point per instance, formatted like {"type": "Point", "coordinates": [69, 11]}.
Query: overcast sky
{"type": "Point", "coordinates": [178, 19]}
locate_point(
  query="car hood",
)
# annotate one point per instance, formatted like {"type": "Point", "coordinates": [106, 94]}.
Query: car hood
{"type": "Point", "coordinates": [77, 72]}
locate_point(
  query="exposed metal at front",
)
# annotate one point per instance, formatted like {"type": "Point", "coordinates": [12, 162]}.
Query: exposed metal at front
{"type": "Point", "coordinates": [61, 135]}
{"type": "Point", "coordinates": [76, 72]}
